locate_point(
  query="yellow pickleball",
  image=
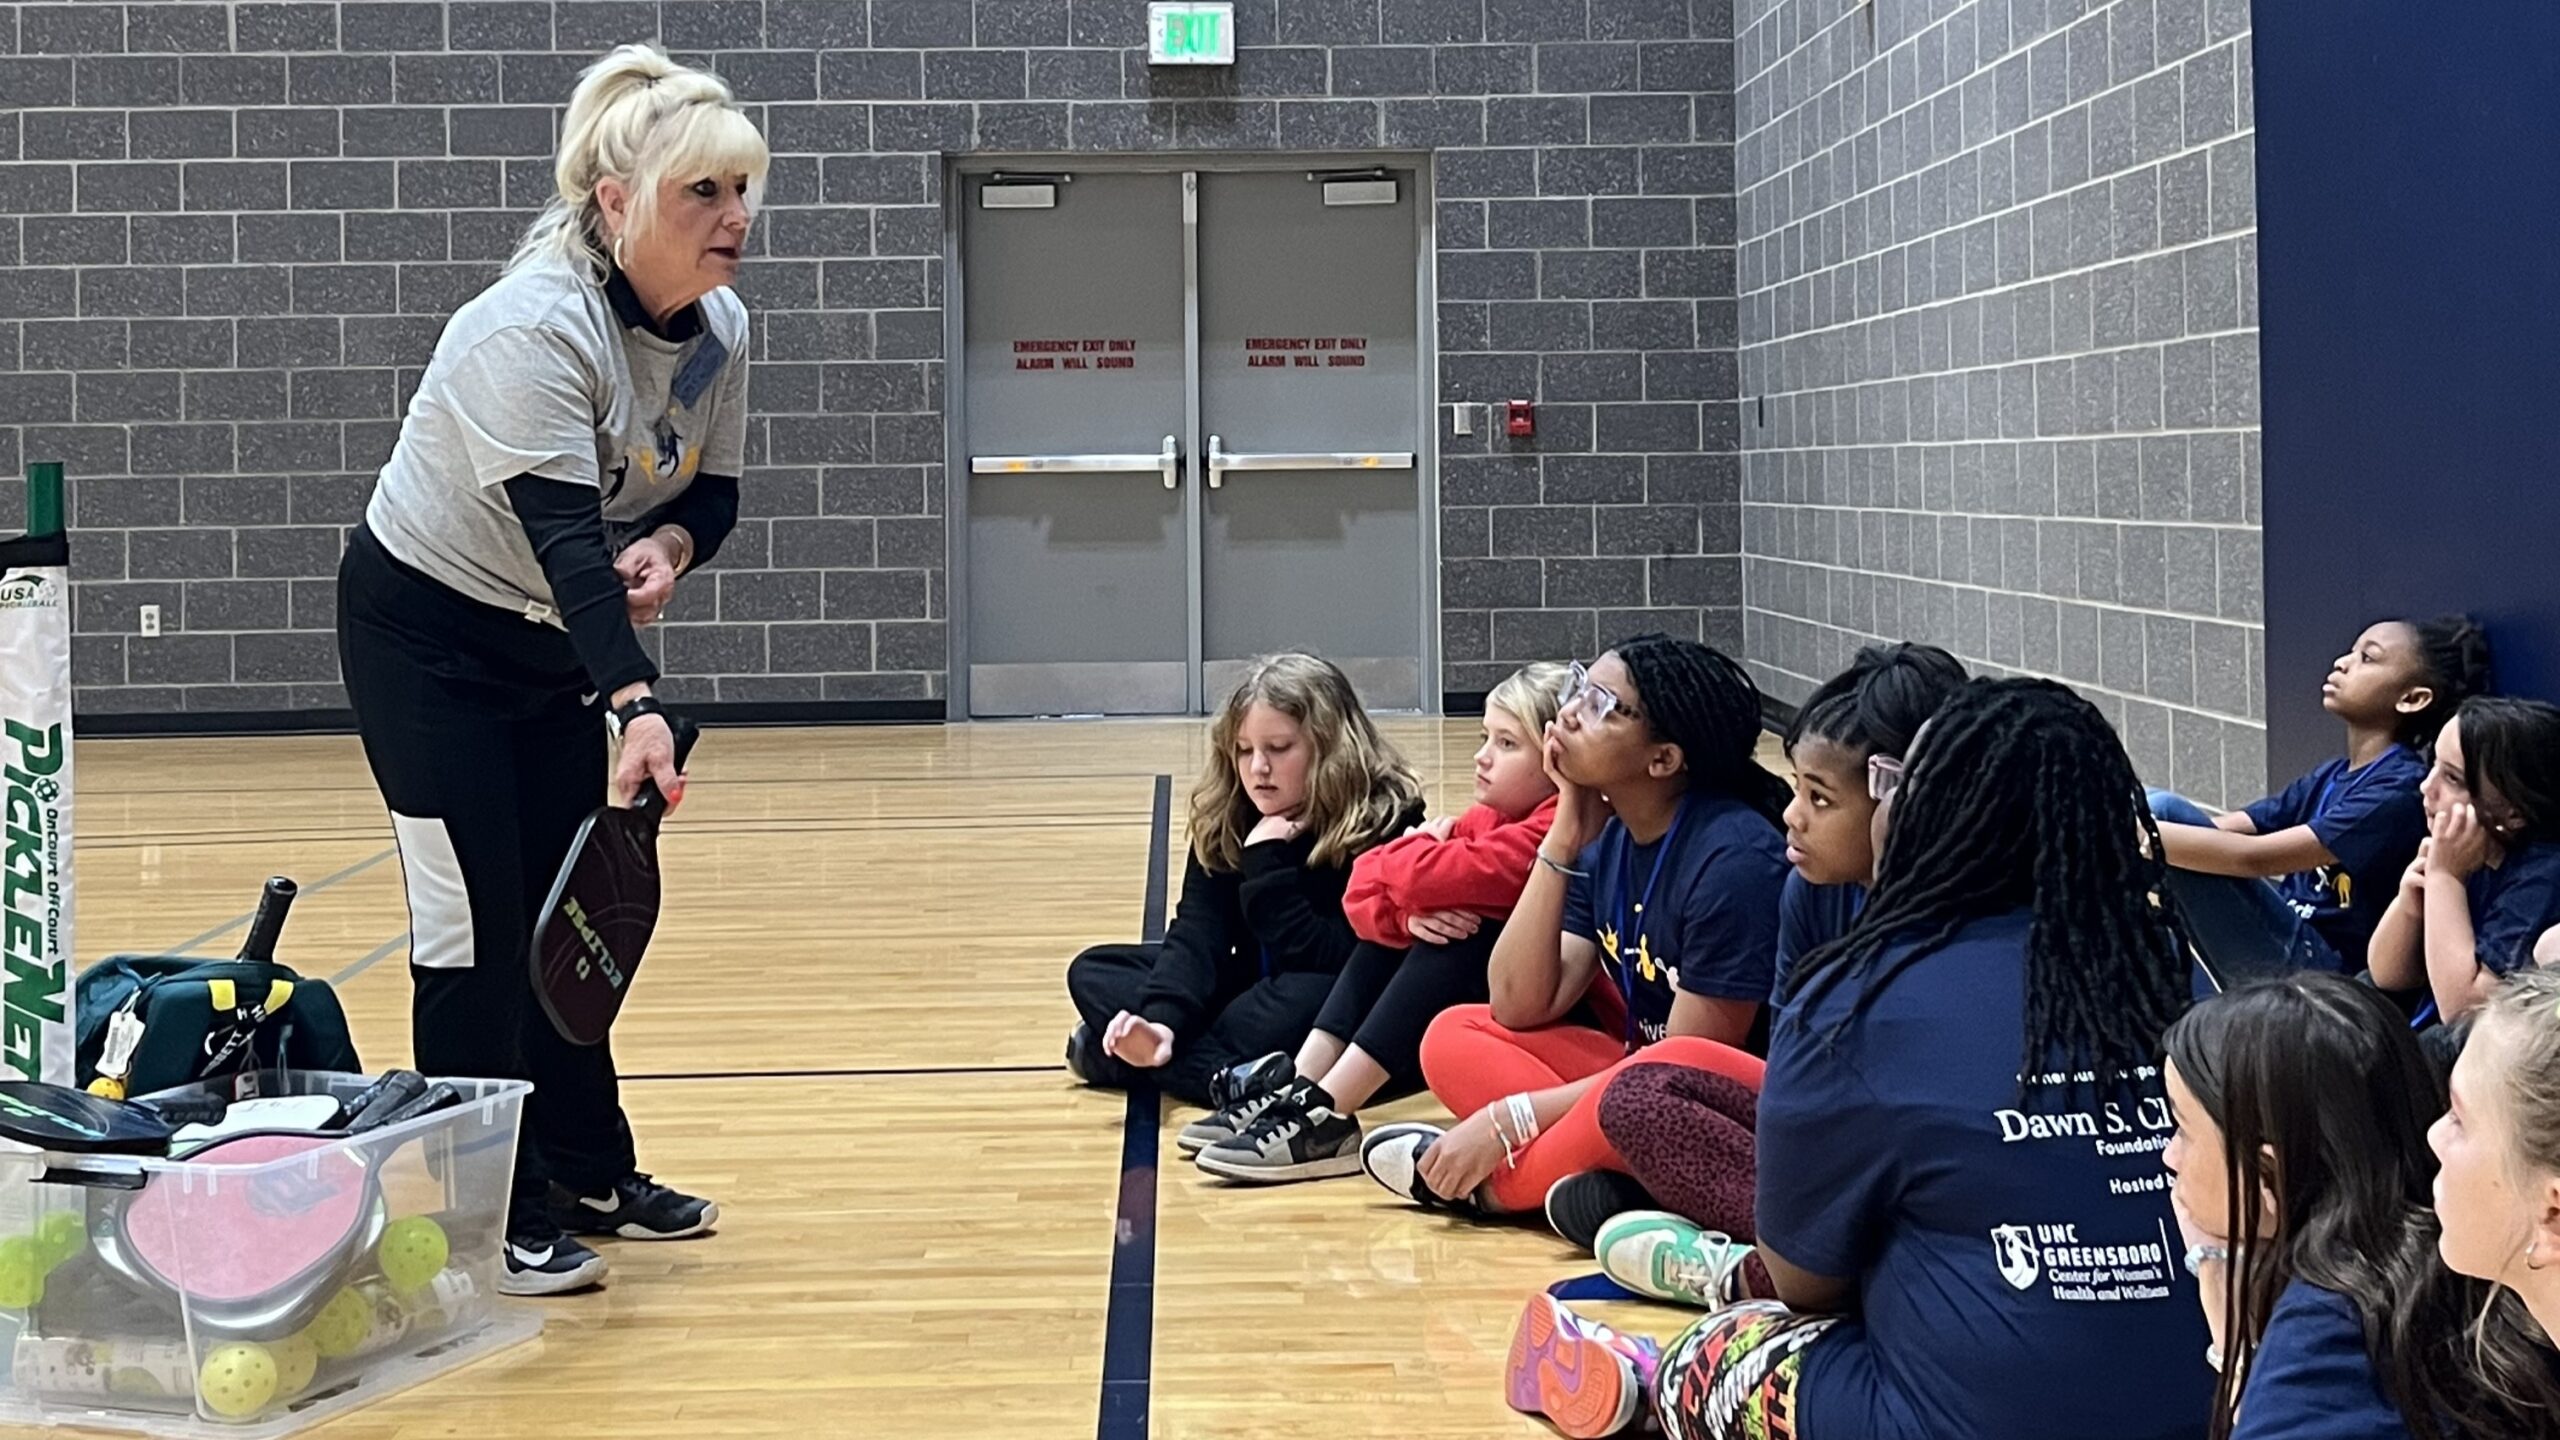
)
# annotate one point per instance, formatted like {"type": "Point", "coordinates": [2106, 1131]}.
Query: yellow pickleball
{"type": "Point", "coordinates": [412, 1252]}
{"type": "Point", "coordinates": [59, 1236]}
{"type": "Point", "coordinates": [237, 1380]}
{"type": "Point", "coordinates": [22, 1271]}
{"type": "Point", "coordinates": [297, 1360]}
{"type": "Point", "coordinates": [341, 1325]}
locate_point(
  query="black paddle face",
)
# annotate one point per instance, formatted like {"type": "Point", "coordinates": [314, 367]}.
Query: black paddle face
{"type": "Point", "coordinates": [56, 1117]}
{"type": "Point", "coordinates": [596, 922]}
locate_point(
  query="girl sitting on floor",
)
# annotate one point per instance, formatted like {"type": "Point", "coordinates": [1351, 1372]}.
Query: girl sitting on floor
{"type": "Point", "coordinates": [2299, 880]}
{"type": "Point", "coordinates": [1427, 908]}
{"type": "Point", "coordinates": [1299, 784]}
{"type": "Point", "coordinates": [2486, 883]}
{"type": "Point", "coordinates": [1648, 927]}
{"type": "Point", "coordinates": [1668, 1228]}
{"type": "Point", "coordinates": [1959, 1207]}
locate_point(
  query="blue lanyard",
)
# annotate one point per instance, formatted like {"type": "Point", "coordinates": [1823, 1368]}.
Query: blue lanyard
{"type": "Point", "coordinates": [1630, 936]}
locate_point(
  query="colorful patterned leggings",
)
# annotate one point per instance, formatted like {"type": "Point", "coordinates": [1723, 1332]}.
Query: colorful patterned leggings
{"type": "Point", "coordinates": [1732, 1376]}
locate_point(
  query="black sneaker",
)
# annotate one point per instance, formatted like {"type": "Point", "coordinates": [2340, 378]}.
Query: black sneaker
{"type": "Point", "coordinates": [1578, 1205]}
{"type": "Point", "coordinates": [635, 1208]}
{"type": "Point", "coordinates": [1218, 1127]}
{"type": "Point", "coordinates": [1269, 1075]}
{"type": "Point", "coordinates": [541, 1260]}
{"type": "Point", "coordinates": [1297, 1138]}
{"type": "Point", "coordinates": [1080, 1051]}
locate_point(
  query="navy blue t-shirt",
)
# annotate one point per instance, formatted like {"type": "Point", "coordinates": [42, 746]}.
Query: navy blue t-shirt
{"type": "Point", "coordinates": [1811, 916]}
{"type": "Point", "coordinates": [2016, 1264]}
{"type": "Point", "coordinates": [1711, 926]}
{"type": "Point", "coordinates": [2372, 820]}
{"type": "Point", "coordinates": [2312, 1378]}
{"type": "Point", "coordinates": [2512, 904]}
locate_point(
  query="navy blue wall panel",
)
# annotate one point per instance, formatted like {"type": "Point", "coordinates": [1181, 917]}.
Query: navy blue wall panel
{"type": "Point", "coordinates": [2409, 259]}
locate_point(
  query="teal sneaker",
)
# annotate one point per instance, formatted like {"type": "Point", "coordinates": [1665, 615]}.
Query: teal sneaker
{"type": "Point", "coordinates": [1663, 1257]}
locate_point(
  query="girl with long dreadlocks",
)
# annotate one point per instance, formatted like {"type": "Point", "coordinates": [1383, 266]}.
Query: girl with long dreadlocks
{"type": "Point", "coordinates": [1647, 927]}
{"type": "Point", "coordinates": [1960, 1204]}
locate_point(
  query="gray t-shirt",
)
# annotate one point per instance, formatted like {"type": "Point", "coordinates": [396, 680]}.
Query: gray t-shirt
{"type": "Point", "coordinates": [538, 375]}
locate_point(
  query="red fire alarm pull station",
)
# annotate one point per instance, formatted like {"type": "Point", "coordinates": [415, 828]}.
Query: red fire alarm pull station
{"type": "Point", "coordinates": [1518, 420]}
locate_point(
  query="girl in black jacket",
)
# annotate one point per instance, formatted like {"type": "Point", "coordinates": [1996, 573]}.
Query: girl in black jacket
{"type": "Point", "coordinates": [1298, 784]}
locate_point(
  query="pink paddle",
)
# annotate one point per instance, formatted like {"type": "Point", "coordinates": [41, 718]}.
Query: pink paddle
{"type": "Point", "coordinates": [240, 1239]}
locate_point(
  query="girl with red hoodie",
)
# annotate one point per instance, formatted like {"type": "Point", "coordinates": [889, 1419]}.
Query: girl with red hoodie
{"type": "Point", "coordinates": [1427, 908]}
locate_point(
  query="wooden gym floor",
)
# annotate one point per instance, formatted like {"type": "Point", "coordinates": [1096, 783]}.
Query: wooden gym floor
{"type": "Point", "coordinates": [849, 1034]}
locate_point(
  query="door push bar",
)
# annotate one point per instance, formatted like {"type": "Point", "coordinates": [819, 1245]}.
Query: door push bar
{"type": "Point", "coordinates": [1222, 460]}
{"type": "Point", "coordinates": [1167, 462]}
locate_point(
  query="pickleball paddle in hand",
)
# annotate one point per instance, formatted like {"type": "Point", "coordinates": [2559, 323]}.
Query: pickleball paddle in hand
{"type": "Point", "coordinates": [595, 924]}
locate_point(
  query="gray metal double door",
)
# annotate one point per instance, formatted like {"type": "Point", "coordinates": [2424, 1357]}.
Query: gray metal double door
{"type": "Point", "coordinates": [1191, 408]}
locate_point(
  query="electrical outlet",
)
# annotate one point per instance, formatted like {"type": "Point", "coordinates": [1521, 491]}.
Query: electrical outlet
{"type": "Point", "coordinates": [1462, 419]}
{"type": "Point", "coordinates": [150, 621]}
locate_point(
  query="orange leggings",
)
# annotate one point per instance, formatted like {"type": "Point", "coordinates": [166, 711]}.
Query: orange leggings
{"type": "Point", "coordinates": [1471, 1062]}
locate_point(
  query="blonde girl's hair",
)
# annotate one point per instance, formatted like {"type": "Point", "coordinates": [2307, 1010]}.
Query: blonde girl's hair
{"type": "Point", "coordinates": [1533, 695]}
{"type": "Point", "coordinates": [1359, 789]}
{"type": "Point", "coordinates": [639, 117]}
{"type": "Point", "coordinates": [2527, 1006]}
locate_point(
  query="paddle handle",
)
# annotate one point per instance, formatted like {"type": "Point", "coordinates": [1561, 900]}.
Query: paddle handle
{"type": "Point", "coordinates": [268, 923]}
{"type": "Point", "coordinates": [647, 800]}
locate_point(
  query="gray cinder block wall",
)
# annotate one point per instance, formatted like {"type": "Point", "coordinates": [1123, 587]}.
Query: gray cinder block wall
{"type": "Point", "coordinates": [1999, 353]}
{"type": "Point", "coordinates": [231, 232]}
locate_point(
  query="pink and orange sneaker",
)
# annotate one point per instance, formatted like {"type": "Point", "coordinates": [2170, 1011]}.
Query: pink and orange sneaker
{"type": "Point", "coordinates": [1587, 1379]}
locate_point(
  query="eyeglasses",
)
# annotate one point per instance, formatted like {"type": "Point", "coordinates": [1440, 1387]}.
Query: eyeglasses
{"type": "Point", "coordinates": [1597, 700]}
{"type": "Point", "coordinates": [1884, 776]}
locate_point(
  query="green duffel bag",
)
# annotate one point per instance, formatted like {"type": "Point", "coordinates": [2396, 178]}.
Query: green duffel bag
{"type": "Point", "coordinates": [155, 1022]}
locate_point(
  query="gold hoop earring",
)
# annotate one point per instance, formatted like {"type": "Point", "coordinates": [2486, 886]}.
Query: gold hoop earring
{"type": "Point", "coordinates": [618, 242]}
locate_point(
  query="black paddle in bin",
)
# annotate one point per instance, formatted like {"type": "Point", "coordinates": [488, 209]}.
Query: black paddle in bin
{"type": "Point", "coordinates": [595, 924]}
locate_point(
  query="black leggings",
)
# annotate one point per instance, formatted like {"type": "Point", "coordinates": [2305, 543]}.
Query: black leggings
{"type": "Point", "coordinates": [488, 757]}
{"type": "Point", "coordinates": [1386, 998]}
{"type": "Point", "coordinates": [1246, 1021]}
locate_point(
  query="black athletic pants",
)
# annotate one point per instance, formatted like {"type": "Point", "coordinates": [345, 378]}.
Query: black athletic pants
{"type": "Point", "coordinates": [488, 751]}
{"type": "Point", "coordinates": [1384, 999]}
{"type": "Point", "coordinates": [1247, 1019]}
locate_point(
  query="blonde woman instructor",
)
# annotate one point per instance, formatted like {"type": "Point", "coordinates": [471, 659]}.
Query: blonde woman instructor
{"type": "Point", "coordinates": [571, 454]}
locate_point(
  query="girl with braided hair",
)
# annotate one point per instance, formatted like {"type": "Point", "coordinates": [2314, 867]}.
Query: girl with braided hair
{"type": "Point", "coordinates": [1961, 1205]}
{"type": "Point", "coordinates": [1648, 927]}
{"type": "Point", "coordinates": [1669, 1228]}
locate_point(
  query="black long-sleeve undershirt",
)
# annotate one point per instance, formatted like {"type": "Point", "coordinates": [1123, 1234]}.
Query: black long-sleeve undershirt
{"type": "Point", "coordinates": [566, 527]}
{"type": "Point", "coordinates": [707, 511]}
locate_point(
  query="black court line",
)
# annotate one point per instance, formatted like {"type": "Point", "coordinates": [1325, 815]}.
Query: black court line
{"type": "Point", "coordinates": [854, 1072]}
{"type": "Point", "coordinates": [315, 887]}
{"type": "Point", "coordinates": [1129, 1326]}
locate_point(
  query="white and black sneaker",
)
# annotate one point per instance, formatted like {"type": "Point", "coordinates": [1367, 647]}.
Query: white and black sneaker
{"type": "Point", "coordinates": [635, 1208]}
{"type": "Point", "coordinates": [1299, 1137]}
{"type": "Point", "coordinates": [1393, 1157]}
{"type": "Point", "coordinates": [542, 1260]}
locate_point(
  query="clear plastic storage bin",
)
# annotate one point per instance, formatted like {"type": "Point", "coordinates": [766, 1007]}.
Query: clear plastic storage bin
{"type": "Point", "coordinates": [262, 1288]}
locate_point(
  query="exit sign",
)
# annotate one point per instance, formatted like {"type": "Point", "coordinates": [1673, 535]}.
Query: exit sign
{"type": "Point", "coordinates": [1191, 32]}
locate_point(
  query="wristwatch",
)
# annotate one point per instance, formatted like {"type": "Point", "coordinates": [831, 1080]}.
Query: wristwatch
{"type": "Point", "coordinates": [621, 716]}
